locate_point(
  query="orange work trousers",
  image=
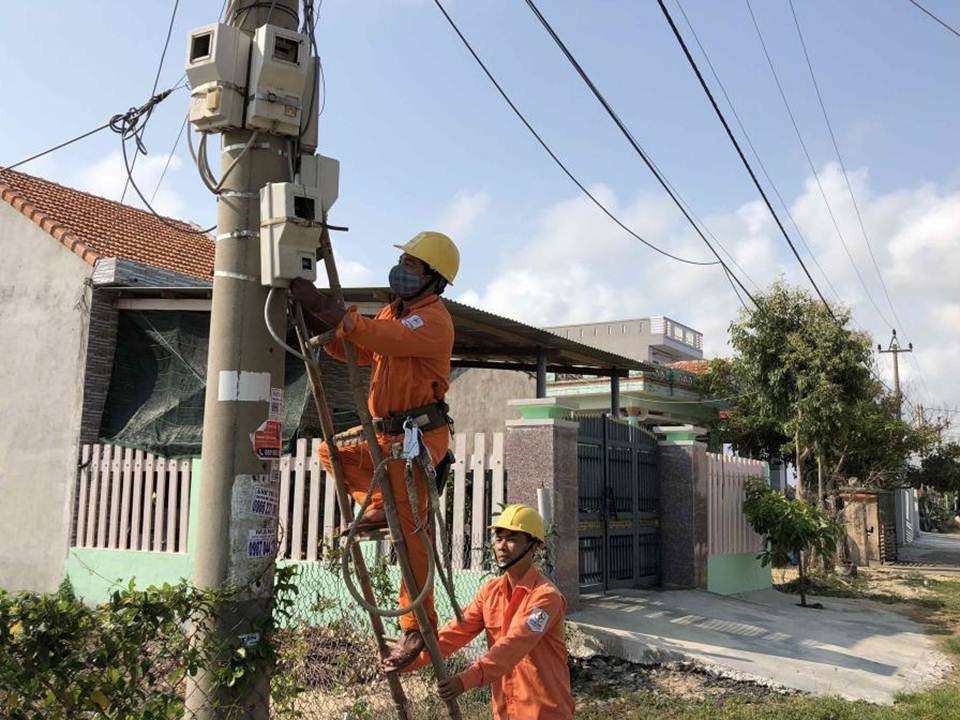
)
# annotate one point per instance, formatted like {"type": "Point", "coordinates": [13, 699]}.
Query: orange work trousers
{"type": "Point", "coordinates": [357, 474]}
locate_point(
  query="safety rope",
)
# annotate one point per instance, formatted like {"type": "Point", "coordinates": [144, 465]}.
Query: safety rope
{"type": "Point", "coordinates": [419, 530]}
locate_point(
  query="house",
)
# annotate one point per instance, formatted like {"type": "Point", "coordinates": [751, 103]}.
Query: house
{"type": "Point", "coordinates": [658, 340]}
{"type": "Point", "coordinates": [61, 248]}
{"type": "Point", "coordinates": [653, 389]}
{"type": "Point", "coordinates": [106, 313]}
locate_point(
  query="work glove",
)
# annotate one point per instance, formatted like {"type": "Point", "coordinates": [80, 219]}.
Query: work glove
{"type": "Point", "coordinates": [321, 311]}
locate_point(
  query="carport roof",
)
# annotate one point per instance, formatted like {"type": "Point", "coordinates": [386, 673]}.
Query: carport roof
{"type": "Point", "coordinates": [487, 340]}
{"type": "Point", "coordinates": [483, 339]}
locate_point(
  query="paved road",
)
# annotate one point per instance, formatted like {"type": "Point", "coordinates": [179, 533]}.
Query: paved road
{"type": "Point", "coordinates": [852, 648]}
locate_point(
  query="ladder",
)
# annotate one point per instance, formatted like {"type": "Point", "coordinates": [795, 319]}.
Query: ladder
{"type": "Point", "coordinates": [393, 522]}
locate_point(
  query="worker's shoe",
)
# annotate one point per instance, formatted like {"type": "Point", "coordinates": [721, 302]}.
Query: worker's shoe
{"type": "Point", "coordinates": [373, 519]}
{"type": "Point", "coordinates": [408, 647]}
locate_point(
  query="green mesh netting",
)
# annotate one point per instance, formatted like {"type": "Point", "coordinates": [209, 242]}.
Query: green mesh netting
{"type": "Point", "coordinates": [156, 395]}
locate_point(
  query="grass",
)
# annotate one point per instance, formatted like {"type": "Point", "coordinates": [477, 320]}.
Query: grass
{"type": "Point", "coordinates": [939, 704]}
{"type": "Point", "coordinates": [941, 608]}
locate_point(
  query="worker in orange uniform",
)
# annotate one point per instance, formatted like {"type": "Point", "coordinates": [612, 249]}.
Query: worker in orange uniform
{"type": "Point", "coordinates": [523, 614]}
{"type": "Point", "coordinates": [408, 344]}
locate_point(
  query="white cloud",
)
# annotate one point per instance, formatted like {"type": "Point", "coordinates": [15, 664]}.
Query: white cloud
{"type": "Point", "coordinates": [578, 266]}
{"type": "Point", "coordinates": [107, 177]}
{"type": "Point", "coordinates": [461, 215]}
{"type": "Point", "coordinates": [352, 274]}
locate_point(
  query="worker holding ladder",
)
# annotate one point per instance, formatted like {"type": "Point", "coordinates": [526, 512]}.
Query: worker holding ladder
{"type": "Point", "coordinates": [523, 614]}
{"type": "Point", "coordinates": [409, 345]}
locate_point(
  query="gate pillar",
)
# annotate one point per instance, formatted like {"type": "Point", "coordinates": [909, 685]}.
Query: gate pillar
{"type": "Point", "coordinates": [540, 452]}
{"type": "Point", "coordinates": [683, 507]}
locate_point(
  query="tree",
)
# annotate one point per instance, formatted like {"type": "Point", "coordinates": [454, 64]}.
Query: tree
{"type": "Point", "coordinates": [790, 527]}
{"type": "Point", "coordinates": [939, 470]}
{"type": "Point", "coordinates": [878, 443]}
{"type": "Point", "coordinates": [801, 376]}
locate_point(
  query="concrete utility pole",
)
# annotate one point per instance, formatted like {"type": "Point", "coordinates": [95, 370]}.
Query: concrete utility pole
{"type": "Point", "coordinates": [895, 348]}
{"type": "Point", "coordinates": [244, 366]}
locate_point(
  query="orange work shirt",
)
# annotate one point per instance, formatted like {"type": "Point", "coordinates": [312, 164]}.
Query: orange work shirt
{"type": "Point", "coordinates": [409, 351]}
{"type": "Point", "coordinates": [526, 659]}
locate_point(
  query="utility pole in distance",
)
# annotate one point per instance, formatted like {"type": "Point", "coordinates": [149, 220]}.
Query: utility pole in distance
{"type": "Point", "coordinates": [895, 348]}
{"type": "Point", "coordinates": [236, 546]}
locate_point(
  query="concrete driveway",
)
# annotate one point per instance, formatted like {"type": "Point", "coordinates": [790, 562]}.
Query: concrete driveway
{"type": "Point", "coordinates": [852, 648]}
{"type": "Point", "coordinates": [932, 551]}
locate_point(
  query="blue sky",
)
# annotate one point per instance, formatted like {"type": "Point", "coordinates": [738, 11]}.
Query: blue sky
{"type": "Point", "coordinates": [425, 141]}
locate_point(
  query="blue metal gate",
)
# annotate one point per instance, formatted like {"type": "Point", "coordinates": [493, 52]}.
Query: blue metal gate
{"type": "Point", "coordinates": [619, 505]}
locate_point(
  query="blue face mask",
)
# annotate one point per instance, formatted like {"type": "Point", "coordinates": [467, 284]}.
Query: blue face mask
{"type": "Point", "coordinates": [405, 283]}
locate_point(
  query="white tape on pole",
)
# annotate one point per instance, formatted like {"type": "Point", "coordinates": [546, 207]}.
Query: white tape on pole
{"type": "Point", "coordinates": [241, 386]}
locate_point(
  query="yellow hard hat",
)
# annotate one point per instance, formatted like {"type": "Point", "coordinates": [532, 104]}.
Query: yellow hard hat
{"type": "Point", "coordinates": [437, 251]}
{"type": "Point", "coordinates": [521, 518]}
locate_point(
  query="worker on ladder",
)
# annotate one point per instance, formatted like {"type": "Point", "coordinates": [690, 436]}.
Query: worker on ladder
{"type": "Point", "coordinates": [524, 616]}
{"type": "Point", "coordinates": [408, 344]}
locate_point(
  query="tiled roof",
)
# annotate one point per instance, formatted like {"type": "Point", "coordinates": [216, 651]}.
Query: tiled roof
{"type": "Point", "coordinates": [94, 227]}
{"type": "Point", "coordinates": [691, 366]}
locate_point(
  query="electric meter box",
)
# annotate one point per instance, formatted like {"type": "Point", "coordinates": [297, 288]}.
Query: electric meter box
{"type": "Point", "coordinates": [216, 64]}
{"type": "Point", "coordinates": [323, 173]}
{"type": "Point", "coordinates": [278, 72]}
{"type": "Point", "coordinates": [289, 235]}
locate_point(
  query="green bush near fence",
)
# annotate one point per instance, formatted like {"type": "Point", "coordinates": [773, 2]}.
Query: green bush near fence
{"type": "Point", "coordinates": [126, 658]}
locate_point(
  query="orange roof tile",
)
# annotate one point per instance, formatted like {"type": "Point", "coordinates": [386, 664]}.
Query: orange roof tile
{"type": "Point", "coordinates": [94, 227]}
{"type": "Point", "coordinates": [691, 366]}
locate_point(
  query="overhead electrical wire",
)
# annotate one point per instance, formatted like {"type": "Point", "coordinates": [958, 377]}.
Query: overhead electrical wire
{"type": "Point", "coordinates": [743, 158]}
{"type": "Point", "coordinates": [633, 141]}
{"type": "Point", "coordinates": [166, 165]}
{"type": "Point", "coordinates": [853, 198]}
{"type": "Point", "coordinates": [127, 125]}
{"type": "Point", "coordinates": [813, 169]}
{"type": "Point", "coordinates": [56, 147]}
{"type": "Point", "coordinates": [756, 154]}
{"type": "Point", "coordinates": [930, 14]}
{"type": "Point", "coordinates": [153, 91]}
{"type": "Point", "coordinates": [553, 155]}
{"type": "Point", "coordinates": [843, 167]}
{"type": "Point", "coordinates": [636, 145]}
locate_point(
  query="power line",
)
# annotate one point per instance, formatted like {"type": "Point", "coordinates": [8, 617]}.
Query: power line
{"type": "Point", "coordinates": [948, 27]}
{"type": "Point", "coordinates": [743, 158]}
{"type": "Point", "coordinates": [756, 154]}
{"type": "Point", "coordinates": [843, 167]}
{"type": "Point", "coordinates": [56, 147]}
{"type": "Point", "coordinates": [813, 169]}
{"type": "Point", "coordinates": [129, 125]}
{"type": "Point", "coordinates": [153, 90]}
{"type": "Point", "coordinates": [633, 142]}
{"type": "Point", "coordinates": [846, 178]}
{"type": "Point", "coordinates": [169, 158]}
{"type": "Point", "coordinates": [550, 152]}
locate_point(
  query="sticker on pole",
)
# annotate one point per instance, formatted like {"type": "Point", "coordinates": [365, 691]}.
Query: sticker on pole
{"type": "Point", "coordinates": [264, 502]}
{"type": "Point", "coordinates": [261, 543]}
{"type": "Point", "coordinates": [276, 404]}
{"type": "Point", "coordinates": [248, 640]}
{"type": "Point", "coordinates": [267, 440]}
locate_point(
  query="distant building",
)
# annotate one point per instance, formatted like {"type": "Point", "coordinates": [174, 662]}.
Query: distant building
{"type": "Point", "coordinates": [658, 339]}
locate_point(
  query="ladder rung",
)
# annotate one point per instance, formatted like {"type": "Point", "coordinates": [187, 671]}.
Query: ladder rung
{"type": "Point", "coordinates": [372, 535]}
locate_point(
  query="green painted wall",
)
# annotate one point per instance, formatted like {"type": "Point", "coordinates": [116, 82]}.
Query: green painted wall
{"type": "Point", "coordinates": [95, 573]}
{"type": "Point", "coordinates": [736, 573]}
{"type": "Point", "coordinates": [323, 596]}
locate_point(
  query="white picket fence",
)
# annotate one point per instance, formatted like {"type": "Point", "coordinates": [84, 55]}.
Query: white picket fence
{"type": "Point", "coordinates": [727, 528]}
{"type": "Point", "coordinates": [309, 517]}
{"type": "Point", "coordinates": [131, 500]}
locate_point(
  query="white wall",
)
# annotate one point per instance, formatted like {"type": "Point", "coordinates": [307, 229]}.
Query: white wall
{"type": "Point", "coordinates": [43, 301]}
